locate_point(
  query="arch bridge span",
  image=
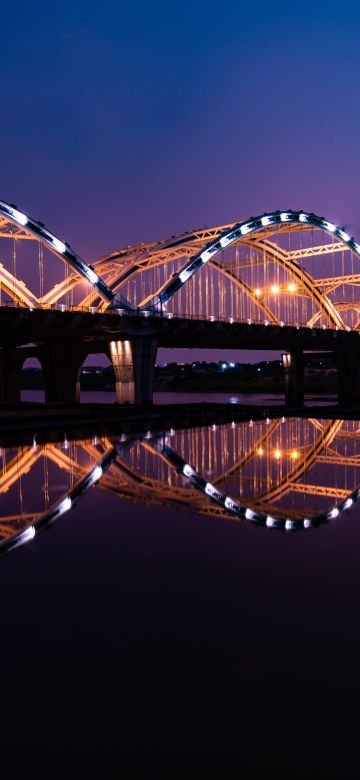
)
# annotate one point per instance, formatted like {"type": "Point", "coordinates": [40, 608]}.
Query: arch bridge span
{"type": "Point", "coordinates": [284, 266]}
{"type": "Point", "coordinates": [288, 474]}
{"type": "Point", "coordinates": [289, 268]}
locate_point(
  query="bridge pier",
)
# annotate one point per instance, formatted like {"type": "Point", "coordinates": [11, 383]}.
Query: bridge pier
{"type": "Point", "coordinates": [348, 366]}
{"type": "Point", "coordinates": [61, 365]}
{"type": "Point", "coordinates": [293, 363]}
{"type": "Point", "coordinates": [134, 364]}
{"type": "Point", "coordinates": [11, 360]}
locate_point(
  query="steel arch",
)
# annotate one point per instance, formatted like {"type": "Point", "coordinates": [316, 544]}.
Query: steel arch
{"type": "Point", "coordinates": [258, 225]}
{"type": "Point", "coordinates": [37, 230]}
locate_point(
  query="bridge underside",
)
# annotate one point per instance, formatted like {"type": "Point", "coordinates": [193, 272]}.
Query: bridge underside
{"type": "Point", "coordinates": [62, 341]}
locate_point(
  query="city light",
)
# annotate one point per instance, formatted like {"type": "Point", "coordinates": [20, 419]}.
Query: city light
{"type": "Point", "coordinates": [278, 454]}
{"type": "Point", "coordinates": [292, 287]}
{"type": "Point", "coordinates": [294, 455]}
{"type": "Point", "coordinates": [275, 289]}
{"type": "Point", "coordinates": [260, 451]}
{"type": "Point", "coordinates": [258, 292]}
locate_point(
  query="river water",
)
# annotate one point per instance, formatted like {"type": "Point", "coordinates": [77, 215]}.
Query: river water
{"type": "Point", "coordinates": [144, 616]}
{"type": "Point", "coordinates": [93, 396]}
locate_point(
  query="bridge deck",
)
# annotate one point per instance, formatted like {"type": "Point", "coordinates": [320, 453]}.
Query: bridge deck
{"type": "Point", "coordinates": [20, 327]}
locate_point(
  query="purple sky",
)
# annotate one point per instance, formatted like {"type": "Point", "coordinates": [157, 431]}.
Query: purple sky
{"type": "Point", "coordinates": [128, 124]}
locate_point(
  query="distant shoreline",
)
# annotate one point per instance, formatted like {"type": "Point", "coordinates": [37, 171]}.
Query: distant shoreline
{"type": "Point", "coordinates": [223, 377]}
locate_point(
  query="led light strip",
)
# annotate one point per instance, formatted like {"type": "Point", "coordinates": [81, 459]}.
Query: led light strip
{"type": "Point", "coordinates": [244, 229]}
{"type": "Point", "coordinates": [60, 248]}
{"type": "Point", "coordinates": [60, 507]}
{"type": "Point", "coordinates": [244, 512]}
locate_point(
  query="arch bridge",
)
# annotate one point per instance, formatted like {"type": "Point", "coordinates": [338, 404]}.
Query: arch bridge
{"type": "Point", "coordinates": [288, 474]}
{"type": "Point", "coordinates": [293, 273]}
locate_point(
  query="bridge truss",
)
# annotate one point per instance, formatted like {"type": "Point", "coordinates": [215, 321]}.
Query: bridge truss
{"type": "Point", "coordinates": [288, 474]}
{"type": "Point", "coordinates": [288, 267]}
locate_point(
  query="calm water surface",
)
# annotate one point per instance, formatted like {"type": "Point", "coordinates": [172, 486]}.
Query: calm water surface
{"type": "Point", "coordinates": [153, 618]}
{"type": "Point", "coordinates": [184, 398]}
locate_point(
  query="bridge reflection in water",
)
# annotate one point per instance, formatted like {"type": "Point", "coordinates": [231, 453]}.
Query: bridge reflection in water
{"type": "Point", "coordinates": [286, 473]}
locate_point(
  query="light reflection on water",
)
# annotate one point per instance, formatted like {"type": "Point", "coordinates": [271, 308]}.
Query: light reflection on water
{"type": "Point", "coordinates": [252, 399]}
{"type": "Point", "coordinates": [288, 473]}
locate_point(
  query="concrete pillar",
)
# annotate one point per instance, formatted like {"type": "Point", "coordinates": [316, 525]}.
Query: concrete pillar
{"type": "Point", "coordinates": [121, 354]}
{"type": "Point", "coordinates": [348, 366]}
{"type": "Point", "coordinates": [148, 360]}
{"type": "Point", "coordinates": [61, 365]}
{"type": "Point", "coordinates": [134, 364]}
{"type": "Point", "coordinates": [10, 374]}
{"type": "Point", "coordinates": [293, 363]}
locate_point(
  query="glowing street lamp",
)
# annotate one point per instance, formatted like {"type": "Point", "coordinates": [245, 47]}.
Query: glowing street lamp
{"type": "Point", "coordinates": [275, 289]}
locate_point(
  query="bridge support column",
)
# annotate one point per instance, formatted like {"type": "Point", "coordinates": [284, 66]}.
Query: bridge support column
{"type": "Point", "coordinates": [134, 363]}
{"type": "Point", "coordinates": [348, 366]}
{"type": "Point", "coordinates": [61, 365]}
{"type": "Point", "coordinates": [293, 363]}
{"type": "Point", "coordinates": [10, 374]}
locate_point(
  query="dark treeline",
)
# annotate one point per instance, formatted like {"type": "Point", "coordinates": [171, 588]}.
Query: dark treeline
{"type": "Point", "coordinates": [265, 376]}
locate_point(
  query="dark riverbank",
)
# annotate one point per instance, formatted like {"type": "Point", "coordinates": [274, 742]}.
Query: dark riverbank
{"type": "Point", "coordinates": [223, 377]}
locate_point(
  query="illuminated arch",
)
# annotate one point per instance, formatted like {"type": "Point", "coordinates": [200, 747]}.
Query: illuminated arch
{"type": "Point", "coordinates": [30, 227]}
{"type": "Point", "coordinates": [256, 516]}
{"type": "Point", "coordinates": [59, 507]}
{"type": "Point", "coordinates": [135, 485]}
{"type": "Point", "coordinates": [257, 226]}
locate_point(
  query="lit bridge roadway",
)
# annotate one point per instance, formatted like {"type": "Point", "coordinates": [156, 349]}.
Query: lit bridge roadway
{"type": "Point", "coordinates": [287, 280]}
{"type": "Point", "coordinates": [289, 474]}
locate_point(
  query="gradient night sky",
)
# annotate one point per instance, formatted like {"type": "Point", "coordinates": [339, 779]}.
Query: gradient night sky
{"type": "Point", "coordinates": [122, 124]}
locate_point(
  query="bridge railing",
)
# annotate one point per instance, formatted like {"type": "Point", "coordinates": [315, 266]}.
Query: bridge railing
{"type": "Point", "coordinates": [156, 314]}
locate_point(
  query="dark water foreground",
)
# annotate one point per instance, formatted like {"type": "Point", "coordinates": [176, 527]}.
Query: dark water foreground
{"type": "Point", "coordinates": [184, 597]}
